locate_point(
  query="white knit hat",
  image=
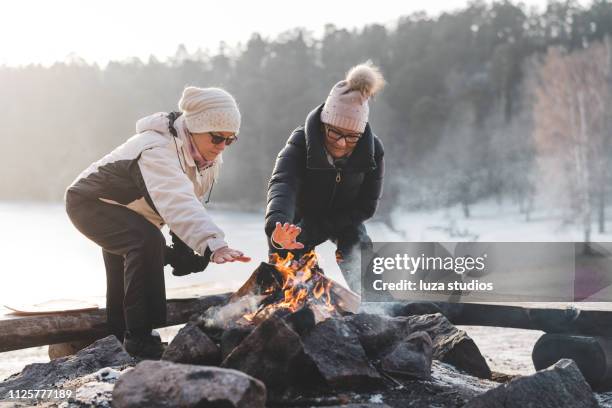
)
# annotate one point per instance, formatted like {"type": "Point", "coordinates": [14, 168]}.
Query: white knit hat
{"type": "Point", "coordinates": [209, 110]}
{"type": "Point", "coordinates": [347, 104]}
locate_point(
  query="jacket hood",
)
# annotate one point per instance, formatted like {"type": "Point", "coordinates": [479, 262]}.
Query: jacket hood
{"type": "Point", "coordinates": [157, 122]}
{"type": "Point", "coordinates": [361, 159]}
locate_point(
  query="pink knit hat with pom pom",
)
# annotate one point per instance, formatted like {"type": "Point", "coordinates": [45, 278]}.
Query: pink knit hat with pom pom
{"type": "Point", "coordinates": [346, 106]}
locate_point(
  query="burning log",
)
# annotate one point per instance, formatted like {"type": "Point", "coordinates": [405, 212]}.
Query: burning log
{"type": "Point", "coordinates": [288, 284]}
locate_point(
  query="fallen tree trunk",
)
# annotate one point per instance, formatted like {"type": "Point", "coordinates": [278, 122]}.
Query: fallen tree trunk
{"type": "Point", "coordinates": [567, 321]}
{"type": "Point", "coordinates": [31, 331]}
{"type": "Point", "coordinates": [592, 355]}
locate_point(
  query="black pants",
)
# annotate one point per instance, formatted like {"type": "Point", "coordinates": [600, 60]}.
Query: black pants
{"type": "Point", "coordinates": [133, 252]}
{"type": "Point", "coordinates": [349, 243]}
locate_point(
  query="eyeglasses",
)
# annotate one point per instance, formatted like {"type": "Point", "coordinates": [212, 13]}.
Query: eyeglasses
{"type": "Point", "coordinates": [335, 134]}
{"type": "Point", "coordinates": [218, 139]}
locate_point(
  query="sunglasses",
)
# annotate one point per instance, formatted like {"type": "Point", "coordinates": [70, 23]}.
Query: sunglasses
{"type": "Point", "coordinates": [218, 139]}
{"type": "Point", "coordinates": [335, 134]}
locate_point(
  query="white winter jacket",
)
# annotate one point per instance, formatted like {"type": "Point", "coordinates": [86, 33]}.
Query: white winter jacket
{"type": "Point", "coordinates": [154, 174]}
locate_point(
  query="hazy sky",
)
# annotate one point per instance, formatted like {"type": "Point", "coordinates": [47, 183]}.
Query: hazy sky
{"type": "Point", "coordinates": [47, 31]}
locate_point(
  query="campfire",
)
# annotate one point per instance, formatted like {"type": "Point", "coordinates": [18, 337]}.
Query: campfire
{"type": "Point", "coordinates": [286, 288]}
{"type": "Point", "coordinates": [289, 286]}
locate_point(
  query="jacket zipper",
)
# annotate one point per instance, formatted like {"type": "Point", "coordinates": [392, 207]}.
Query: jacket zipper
{"type": "Point", "coordinates": [338, 180]}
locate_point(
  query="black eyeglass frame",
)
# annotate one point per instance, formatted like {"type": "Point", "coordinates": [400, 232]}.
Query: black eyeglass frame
{"type": "Point", "coordinates": [351, 139]}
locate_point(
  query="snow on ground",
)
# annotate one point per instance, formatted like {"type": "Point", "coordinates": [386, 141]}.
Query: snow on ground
{"type": "Point", "coordinates": [489, 222]}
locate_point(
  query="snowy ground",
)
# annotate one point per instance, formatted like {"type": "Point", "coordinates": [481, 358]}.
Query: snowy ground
{"type": "Point", "coordinates": [46, 258]}
{"type": "Point", "coordinates": [490, 222]}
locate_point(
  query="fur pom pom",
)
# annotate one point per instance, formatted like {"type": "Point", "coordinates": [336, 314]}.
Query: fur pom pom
{"type": "Point", "coordinates": [365, 78]}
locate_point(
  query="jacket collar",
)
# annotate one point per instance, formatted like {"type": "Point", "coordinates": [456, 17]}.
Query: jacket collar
{"type": "Point", "coordinates": [183, 142]}
{"type": "Point", "coordinates": [362, 158]}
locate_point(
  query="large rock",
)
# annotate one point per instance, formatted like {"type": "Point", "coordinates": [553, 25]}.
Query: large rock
{"type": "Point", "coordinates": [451, 345]}
{"type": "Point", "coordinates": [161, 384]}
{"type": "Point", "coordinates": [411, 357]}
{"type": "Point", "coordinates": [232, 337]}
{"type": "Point", "coordinates": [192, 346]}
{"type": "Point", "coordinates": [272, 353]}
{"type": "Point", "coordinates": [339, 357]}
{"type": "Point", "coordinates": [106, 352]}
{"type": "Point", "coordinates": [560, 386]}
{"type": "Point", "coordinates": [379, 334]}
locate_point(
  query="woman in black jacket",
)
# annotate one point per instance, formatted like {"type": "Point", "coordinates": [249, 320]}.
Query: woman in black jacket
{"type": "Point", "coordinates": [328, 178]}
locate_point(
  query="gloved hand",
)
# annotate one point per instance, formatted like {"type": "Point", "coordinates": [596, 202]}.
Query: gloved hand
{"type": "Point", "coordinates": [183, 259]}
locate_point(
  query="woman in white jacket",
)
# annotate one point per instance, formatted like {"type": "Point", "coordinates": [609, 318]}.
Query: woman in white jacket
{"type": "Point", "coordinates": [159, 176]}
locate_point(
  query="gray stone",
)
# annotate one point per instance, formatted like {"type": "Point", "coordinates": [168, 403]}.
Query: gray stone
{"type": "Point", "coordinates": [272, 353]}
{"type": "Point", "coordinates": [411, 357]}
{"type": "Point", "coordinates": [380, 334]}
{"type": "Point", "coordinates": [560, 386]}
{"type": "Point", "coordinates": [451, 345]}
{"type": "Point", "coordinates": [232, 337]}
{"type": "Point", "coordinates": [192, 346]}
{"type": "Point", "coordinates": [106, 352]}
{"type": "Point", "coordinates": [157, 384]}
{"type": "Point", "coordinates": [335, 350]}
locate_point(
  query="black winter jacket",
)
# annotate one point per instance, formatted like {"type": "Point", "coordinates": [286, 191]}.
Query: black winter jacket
{"type": "Point", "coordinates": [305, 186]}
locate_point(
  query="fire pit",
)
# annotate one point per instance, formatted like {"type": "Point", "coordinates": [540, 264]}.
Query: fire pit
{"type": "Point", "coordinates": [301, 333]}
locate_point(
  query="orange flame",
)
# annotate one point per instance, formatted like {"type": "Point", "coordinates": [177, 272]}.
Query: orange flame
{"type": "Point", "coordinates": [300, 284]}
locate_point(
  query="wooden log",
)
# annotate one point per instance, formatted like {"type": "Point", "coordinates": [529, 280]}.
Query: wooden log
{"type": "Point", "coordinates": [263, 277]}
{"type": "Point", "coordinates": [592, 355]}
{"type": "Point", "coordinates": [31, 331]}
{"type": "Point", "coordinates": [567, 321]}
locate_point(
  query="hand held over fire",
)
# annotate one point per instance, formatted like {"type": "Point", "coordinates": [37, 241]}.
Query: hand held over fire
{"type": "Point", "coordinates": [285, 235]}
{"type": "Point", "coordinates": [227, 254]}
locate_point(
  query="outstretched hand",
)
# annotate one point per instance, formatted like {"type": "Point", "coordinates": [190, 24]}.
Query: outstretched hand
{"type": "Point", "coordinates": [285, 235]}
{"type": "Point", "coordinates": [227, 254]}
